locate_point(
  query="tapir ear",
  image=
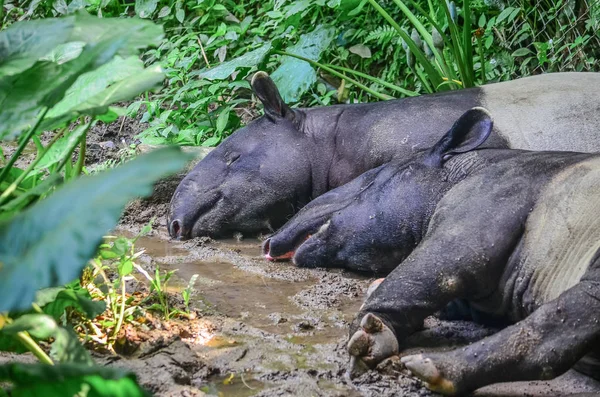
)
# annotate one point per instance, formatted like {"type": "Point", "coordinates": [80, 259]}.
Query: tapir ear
{"type": "Point", "coordinates": [470, 131]}
{"type": "Point", "coordinates": [266, 90]}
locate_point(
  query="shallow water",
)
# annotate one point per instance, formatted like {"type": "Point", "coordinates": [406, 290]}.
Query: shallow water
{"type": "Point", "coordinates": [231, 285]}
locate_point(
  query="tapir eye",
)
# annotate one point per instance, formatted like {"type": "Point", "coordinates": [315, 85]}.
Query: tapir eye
{"type": "Point", "coordinates": [233, 159]}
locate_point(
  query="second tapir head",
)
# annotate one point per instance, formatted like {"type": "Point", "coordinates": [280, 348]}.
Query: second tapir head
{"type": "Point", "coordinates": [253, 182]}
{"type": "Point", "coordinates": [372, 223]}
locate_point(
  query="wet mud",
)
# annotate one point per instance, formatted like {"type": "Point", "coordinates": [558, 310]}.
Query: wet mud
{"type": "Point", "coordinates": [271, 329]}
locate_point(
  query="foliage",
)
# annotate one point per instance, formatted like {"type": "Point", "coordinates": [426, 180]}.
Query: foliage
{"type": "Point", "coordinates": [53, 72]}
{"type": "Point", "coordinates": [378, 50]}
{"type": "Point", "coordinates": [32, 380]}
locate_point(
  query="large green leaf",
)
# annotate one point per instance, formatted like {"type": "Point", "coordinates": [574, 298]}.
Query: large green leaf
{"type": "Point", "coordinates": [48, 244]}
{"type": "Point", "coordinates": [138, 33]}
{"type": "Point", "coordinates": [24, 43]}
{"type": "Point", "coordinates": [119, 80]}
{"type": "Point", "coordinates": [294, 76]}
{"type": "Point", "coordinates": [37, 380]}
{"type": "Point", "coordinates": [225, 69]}
{"type": "Point", "coordinates": [96, 81]}
{"type": "Point", "coordinates": [44, 84]}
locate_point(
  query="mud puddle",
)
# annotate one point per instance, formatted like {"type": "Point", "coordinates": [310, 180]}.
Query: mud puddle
{"type": "Point", "coordinates": [235, 281]}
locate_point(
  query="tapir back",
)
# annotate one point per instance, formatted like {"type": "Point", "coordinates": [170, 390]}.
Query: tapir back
{"type": "Point", "coordinates": [562, 234]}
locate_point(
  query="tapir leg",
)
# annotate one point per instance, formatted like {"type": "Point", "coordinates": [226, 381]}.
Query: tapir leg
{"type": "Point", "coordinates": [542, 346]}
{"type": "Point", "coordinates": [424, 283]}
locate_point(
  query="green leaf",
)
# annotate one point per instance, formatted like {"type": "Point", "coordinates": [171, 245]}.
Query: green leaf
{"type": "Point", "coordinates": [136, 33]}
{"type": "Point", "coordinates": [125, 268]}
{"type": "Point", "coordinates": [39, 326]}
{"type": "Point", "coordinates": [180, 15]}
{"type": "Point", "coordinates": [23, 43]}
{"type": "Point", "coordinates": [48, 244]}
{"type": "Point", "coordinates": [65, 52]}
{"type": "Point", "coordinates": [294, 77]}
{"type": "Point", "coordinates": [66, 348]}
{"type": "Point", "coordinates": [361, 50]}
{"type": "Point", "coordinates": [44, 84]}
{"type": "Point", "coordinates": [95, 82]}
{"type": "Point", "coordinates": [222, 120]}
{"type": "Point", "coordinates": [225, 69]}
{"type": "Point", "coordinates": [145, 8]}
{"type": "Point", "coordinates": [504, 14]}
{"type": "Point", "coordinates": [78, 299]}
{"type": "Point", "coordinates": [36, 380]}
{"type": "Point", "coordinates": [165, 11]}
{"type": "Point", "coordinates": [121, 246]}
{"type": "Point", "coordinates": [212, 141]}
{"type": "Point", "coordinates": [521, 52]}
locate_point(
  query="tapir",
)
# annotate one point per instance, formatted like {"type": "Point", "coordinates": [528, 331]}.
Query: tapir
{"type": "Point", "coordinates": [515, 233]}
{"type": "Point", "coordinates": [264, 173]}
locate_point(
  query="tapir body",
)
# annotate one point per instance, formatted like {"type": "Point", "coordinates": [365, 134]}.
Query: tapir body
{"type": "Point", "coordinates": [515, 233]}
{"type": "Point", "coordinates": [263, 173]}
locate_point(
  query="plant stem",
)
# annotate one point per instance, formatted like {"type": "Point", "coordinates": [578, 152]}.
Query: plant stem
{"type": "Point", "coordinates": [338, 74]}
{"type": "Point", "coordinates": [122, 313]}
{"type": "Point", "coordinates": [81, 159]}
{"type": "Point", "coordinates": [6, 169]}
{"type": "Point", "coordinates": [70, 153]}
{"type": "Point", "coordinates": [481, 60]}
{"type": "Point", "coordinates": [376, 80]}
{"type": "Point", "coordinates": [34, 348]}
{"type": "Point", "coordinates": [13, 186]}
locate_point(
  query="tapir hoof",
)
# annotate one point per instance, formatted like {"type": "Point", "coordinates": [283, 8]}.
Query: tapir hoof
{"type": "Point", "coordinates": [371, 344]}
{"type": "Point", "coordinates": [425, 369]}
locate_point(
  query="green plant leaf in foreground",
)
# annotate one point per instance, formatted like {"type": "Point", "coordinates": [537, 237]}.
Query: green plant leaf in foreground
{"type": "Point", "coordinates": [48, 244]}
{"type": "Point", "coordinates": [36, 380]}
{"type": "Point", "coordinates": [44, 84]}
{"type": "Point", "coordinates": [294, 76]}
{"type": "Point", "coordinates": [24, 43]}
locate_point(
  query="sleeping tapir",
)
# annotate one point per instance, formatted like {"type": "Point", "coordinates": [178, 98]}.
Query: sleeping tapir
{"type": "Point", "coordinates": [515, 233]}
{"type": "Point", "coordinates": [262, 174]}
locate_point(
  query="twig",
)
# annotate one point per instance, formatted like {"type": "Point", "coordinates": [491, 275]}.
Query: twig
{"type": "Point", "coordinates": [203, 53]}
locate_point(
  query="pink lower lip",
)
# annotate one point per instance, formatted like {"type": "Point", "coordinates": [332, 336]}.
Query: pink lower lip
{"type": "Point", "coordinates": [289, 255]}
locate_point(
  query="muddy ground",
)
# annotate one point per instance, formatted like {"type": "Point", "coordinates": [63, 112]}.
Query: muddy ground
{"type": "Point", "coordinates": [264, 329]}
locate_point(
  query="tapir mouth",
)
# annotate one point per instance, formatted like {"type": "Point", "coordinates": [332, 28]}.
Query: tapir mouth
{"type": "Point", "coordinates": [266, 248]}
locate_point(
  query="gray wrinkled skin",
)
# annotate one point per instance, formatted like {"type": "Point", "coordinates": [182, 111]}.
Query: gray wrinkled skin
{"type": "Point", "coordinates": [262, 174]}
{"type": "Point", "coordinates": [514, 233]}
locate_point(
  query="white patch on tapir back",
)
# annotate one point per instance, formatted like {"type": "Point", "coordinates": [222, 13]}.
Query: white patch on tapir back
{"type": "Point", "coordinates": [562, 233]}
{"type": "Point", "coordinates": [555, 111]}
